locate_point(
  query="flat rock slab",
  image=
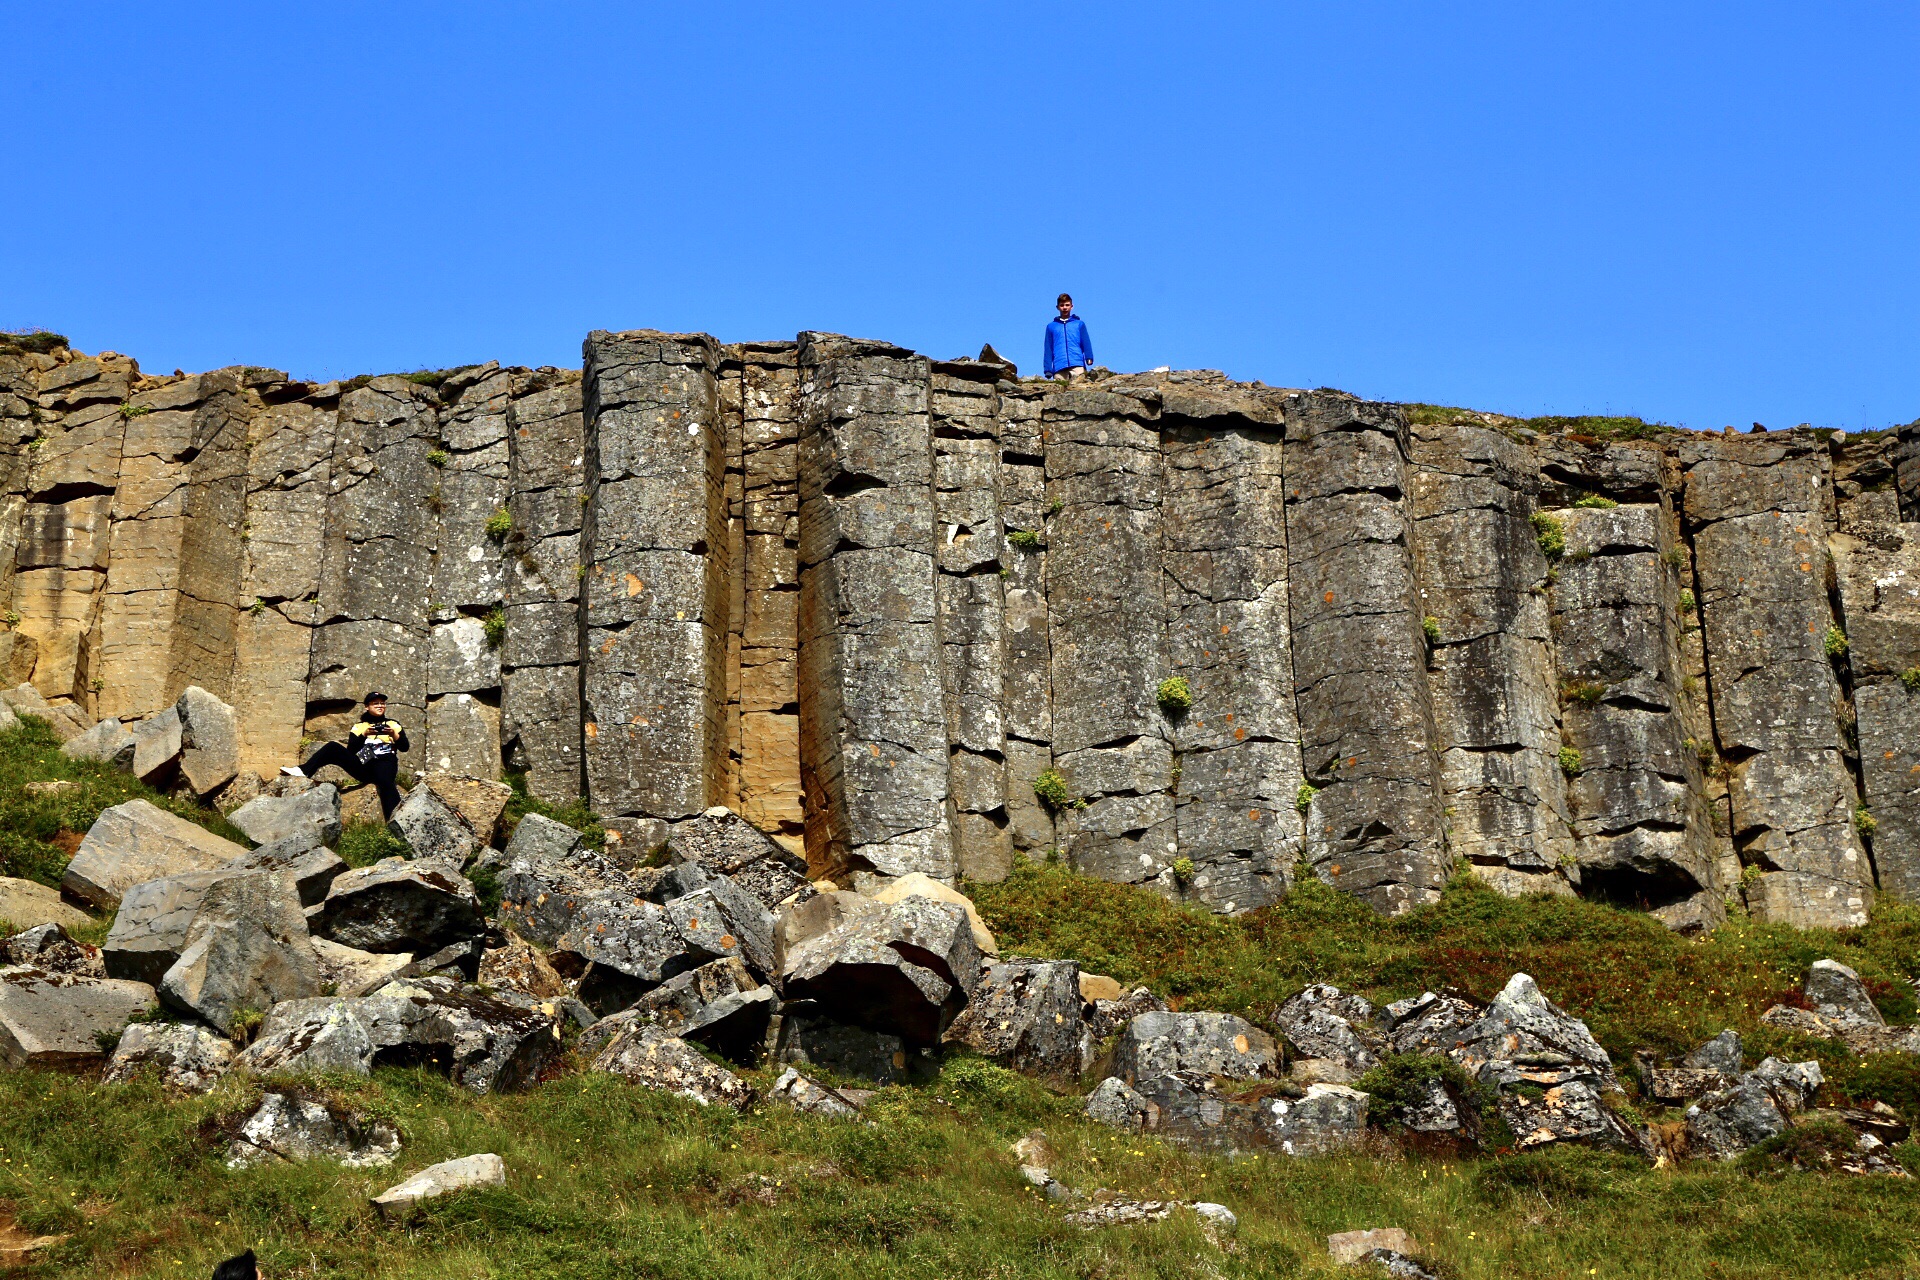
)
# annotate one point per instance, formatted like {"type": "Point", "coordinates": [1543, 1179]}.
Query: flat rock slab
{"type": "Point", "coordinates": [106, 743]}
{"type": "Point", "coordinates": [311, 869]}
{"type": "Point", "coordinates": [25, 904]}
{"type": "Point", "coordinates": [441, 1179]}
{"type": "Point", "coordinates": [347, 971]}
{"type": "Point", "coordinates": [135, 842]}
{"type": "Point", "coordinates": [810, 1097]}
{"type": "Point", "coordinates": [289, 1130]}
{"type": "Point", "coordinates": [156, 745]}
{"type": "Point", "coordinates": [247, 949]}
{"type": "Point", "coordinates": [209, 741]}
{"type": "Point", "coordinates": [312, 816]}
{"type": "Point", "coordinates": [1346, 1247]}
{"type": "Point", "coordinates": [400, 905]}
{"type": "Point", "coordinates": [184, 1056]}
{"type": "Point", "coordinates": [1203, 1044]}
{"type": "Point", "coordinates": [478, 801]}
{"type": "Point", "coordinates": [58, 1020]}
{"type": "Point", "coordinates": [432, 829]}
{"type": "Point", "coordinates": [150, 929]}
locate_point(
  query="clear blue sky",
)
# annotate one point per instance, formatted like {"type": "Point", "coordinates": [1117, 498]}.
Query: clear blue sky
{"type": "Point", "coordinates": [1699, 213]}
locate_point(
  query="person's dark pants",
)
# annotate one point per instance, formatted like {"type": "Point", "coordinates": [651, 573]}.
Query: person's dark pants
{"type": "Point", "coordinates": [381, 771]}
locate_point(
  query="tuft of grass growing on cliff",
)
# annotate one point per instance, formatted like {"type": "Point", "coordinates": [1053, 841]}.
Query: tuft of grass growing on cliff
{"type": "Point", "coordinates": [40, 833]}
{"type": "Point", "coordinates": [574, 814]}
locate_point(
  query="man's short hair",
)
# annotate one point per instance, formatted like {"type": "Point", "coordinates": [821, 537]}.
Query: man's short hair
{"type": "Point", "coordinates": [375, 696]}
{"type": "Point", "coordinates": [1065, 297]}
{"type": "Point", "coordinates": [241, 1268]}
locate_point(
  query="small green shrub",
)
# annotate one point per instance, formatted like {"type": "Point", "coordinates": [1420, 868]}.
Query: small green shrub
{"type": "Point", "coordinates": [1025, 539]}
{"type": "Point", "coordinates": [1910, 679]}
{"type": "Point", "coordinates": [1550, 534]}
{"type": "Point", "coordinates": [1674, 558]}
{"type": "Point", "coordinates": [1569, 761]}
{"type": "Point", "coordinates": [496, 625]}
{"type": "Point", "coordinates": [499, 525]}
{"type": "Point", "coordinates": [1594, 501]}
{"type": "Point", "coordinates": [1430, 627]}
{"type": "Point", "coordinates": [362, 844]}
{"type": "Point", "coordinates": [1686, 603]}
{"type": "Point", "coordinates": [426, 377]}
{"type": "Point", "coordinates": [1174, 694]}
{"type": "Point", "coordinates": [574, 814]}
{"type": "Point", "coordinates": [1404, 1080]}
{"type": "Point", "coordinates": [1585, 692]}
{"type": "Point", "coordinates": [1053, 508]}
{"type": "Point", "coordinates": [1303, 798]}
{"type": "Point", "coordinates": [1051, 790]}
{"type": "Point", "coordinates": [1813, 1145]}
{"type": "Point", "coordinates": [1863, 821]}
{"type": "Point", "coordinates": [437, 457]}
{"type": "Point", "coordinates": [486, 887]}
{"type": "Point", "coordinates": [1183, 870]}
{"type": "Point", "coordinates": [135, 410]}
{"type": "Point", "coordinates": [1835, 643]}
{"type": "Point", "coordinates": [40, 342]}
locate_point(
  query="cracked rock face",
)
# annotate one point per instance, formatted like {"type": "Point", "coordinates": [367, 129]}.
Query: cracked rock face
{"type": "Point", "coordinates": [291, 1130]}
{"type": "Point", "coordinates": [1028, 1014]}
{"type": "Point", "coordinates": [184, 1056]}
{"type": "Point", "coordinates": [647, 1057]}
{"type": "Point", "coordinates": [905, 969]}
{"type": "Point", "coordinates": [400, 905]}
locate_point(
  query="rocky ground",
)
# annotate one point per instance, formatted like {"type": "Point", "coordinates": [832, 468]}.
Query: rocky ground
{"type": "Point", "coordinates": [503, 1051]}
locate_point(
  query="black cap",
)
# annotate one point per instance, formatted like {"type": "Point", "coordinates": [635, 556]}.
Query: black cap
{"type": "Point", "coordinates": [375, 696]}
{"type": "Point", "coordinates": [243, 1267]}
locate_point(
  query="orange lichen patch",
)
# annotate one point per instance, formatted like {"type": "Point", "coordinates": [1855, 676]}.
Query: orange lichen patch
{"type": "Point", "coordinates": [634, 585]}
{"type": "Point", "coordinates": [1329, 597]}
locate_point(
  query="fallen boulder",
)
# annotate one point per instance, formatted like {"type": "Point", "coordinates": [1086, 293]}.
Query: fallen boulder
{"type": "Point", "coordinates": [484, 1044]}
{"type": "Point", "coordinates": [184, 1055]}
{"type": "Point", "coordinates": [348, 971]}
{"type": "Point", "coordinates": [647, 1057]}
{"type": "Point", "coordinates": [1335, 1030]}
{"type": "Point", "coordinates": [135, 842]}
{"type": "Point", "coordinates": [808, 1038]}
{"type": "Point", "coordinates": [432, 830]}
{"type": "Point", "coordinates": [809, 1097]}
{"type": "Point", "coordinates": [209, 741]}
{"type": "Point", "coordinates": [246, 950]}
{"type": "Point", "coordinates": [1429, 1023]}
{"type": "Point", "coordinates": [723, 843]}
{"type": "Point", "coordinates": [418, 905]}
{"type": "Point", "coordinates": [1726, 1122]}
{"type": "Point", "coordinates": [724, 920]}
{"type": "Point", "coordinates": [1118, 1106]}
{"type": "Point", "coordinates": [1837, 994]}
{"type": "Point", "coordinates": [441, 1179]}
{"type": "Point", "coordinates": [734, 1026]}
{"type": "Point", "coordinates": [906, 968]}
{"type": "Point", "coordinates": [1198, 1044]}
{"type": "Point", "coordinates": [1111, 1015]}
{"type": "Point", "coordinates": [106, 743]}
{"type": "Point", "coordinates": [289, 1130]}
{"type": "Point", "coordinates": [917, 884]}
{"type": "Point", "coordinates": [59, 1020]}
{"type": "Point", "coordinates": [517, 966]}
{"type": "Point", "coordinates": [1028, 1014]}
{"type": "Point", "coordinates": [311, 869]}
{"type": "Point", "coordinates": [478, 801]}
{"type": "Point", "coordinates": [63, 718]}
{"type": "Point", "coordinates": [25, 904]}
{"type": "Point", "coordinates": [49, 948]}
{"type": "Point", "coordinates": [150, 930]}
{"type": "Point", "coordinates": [156, 746]}
{"type": "Point", "coordinates": [312, 816]}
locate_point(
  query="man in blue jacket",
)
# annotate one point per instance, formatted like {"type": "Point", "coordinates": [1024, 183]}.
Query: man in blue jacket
{"type": "Point", "coordinates": [1069, 351]}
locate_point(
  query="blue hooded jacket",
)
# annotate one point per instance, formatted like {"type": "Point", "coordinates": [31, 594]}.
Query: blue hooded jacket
{"type": "Point", "coordinates": [1068, 345]}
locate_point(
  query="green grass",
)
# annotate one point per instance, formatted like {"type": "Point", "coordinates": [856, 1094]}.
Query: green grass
{"type": "Point", "coordinates": [34, 829]}
{"type": "Point", "coordinates": [574, 814]}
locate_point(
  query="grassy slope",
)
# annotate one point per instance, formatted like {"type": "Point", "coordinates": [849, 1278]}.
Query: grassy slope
{"type": "Point", "coordinates": [610, 1180]}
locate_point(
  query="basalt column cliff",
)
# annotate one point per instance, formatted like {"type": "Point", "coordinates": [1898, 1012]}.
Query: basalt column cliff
{"type": "Point", "coordinates": [913, 615]}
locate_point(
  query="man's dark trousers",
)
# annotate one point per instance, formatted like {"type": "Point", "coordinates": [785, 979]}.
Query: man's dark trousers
{"type": "Point", "coordinates": [381, 771]}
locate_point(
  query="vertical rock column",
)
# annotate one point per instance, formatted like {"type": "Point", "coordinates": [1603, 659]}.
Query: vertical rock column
{"type": "Point", "coordinates": [212, 546]}
{"type": "Point", "coordinates": [1225, 575]}
{"type": "Point", "coordinates": [1877, 559]}
{"type": "Point", "coordinates": [654, 599]}
{"type": "Point", "coordinates": [1367, 738]}
{"type": "Point", "coordinates": [19, 424]}
{"type": "Point", "coordinates": [376, 566]}
{"type": "Point", "coordinates": [967, 527]}
{"type": "Point", "coordinates": [1489, 657]}
{"type": "Point", "coordinates": [540, 655]}
{"type": "Point", "coordinates": [289, 465]}
{"type": "Point", "coordinates": [729, 396]}
{"type": "Point", "coordinates": [1757, 512]}
{"type": "Point", "coordinates": [467, 619]}
{"type": "Point", "coordinates": [873, 740]}
{"type": "Point", "coordinates": [1027, 678]}
{"type": "Point", "coordinates": [769, 581]}
{"type": "Point", "coordinates": [1108, 634]}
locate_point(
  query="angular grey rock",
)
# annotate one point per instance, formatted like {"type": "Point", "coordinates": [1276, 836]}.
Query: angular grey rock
{"type": "Point", "coordinates": [63, 718]}
{"type": "Point", "coordinates": [184, 1056]}
{"type": "Point", "coordinates": [517, 966]}
{"type": "Point", "coordinates": [1725, 1123]}
{"type": "Point", "coordinates": [347, 971]}
{"type": "Point", "coordinates": [808, 1038]}
{"type": "Point", "coordinates": [722, 842]}
{"type": "Point", "coordinates": [1522, 1030]}
{"type": "Point", "coordinates": [905, 969]}
{"type": "Point", "coordinates": [441, 1179]}
{"type": "Point", "coordinates": [1121, 1212]}
{"type": "Point", "coordinates": [58, 1020]}
{"type": "Point", "coordinates": [1837, 994]}
{"type": "Point", "coordinates": [1331, 1117]}
{"type": "Point", "coordinates": [246, 951]}
{"type": "Point", "coordinates": [734, 1026]}
{"type": "Point", "coordinates": [25, 904]}
{"type": "Point", "coordinates": [723, 920]}
{"type": "Point", "coordinates": [311, 868]}
{"type": "Point", "coordinates": [1110, 1017]}
{"type": "Point", "coordinates": [1028, 1014]}
{"type": "Point", "coordinates": [647, 1057]}
{"type": "Point", "coordinates": [1722, 1053]}
{"type": "Point", "coordinates": [291, 1130]}
{"type": "Point", "coordinates": [150, 929]}
{"type": "Point", "coordinates": [1320, 1022]}
{"type": "Point", "coordinates": [1202, 1044]}
{"type": "Point", "coordinates": [809, 1097]}
{"type": "Point", "coordinates": [135, 842]}
{"type": "Point", "coordinates": [209, 741]}
{"type": "Point", "coordinates": [1678, 1086]}
{"type": "Point", "coordinates": [432, 829]}
{"type": "Point", "coordinates": [1115, 1105]}
{"type": "Point", "coordinates": [483, 1043]}
{"type": "Point", "coordinates": [674, 1004]}
{"type": "Point", "coordinates": [312, 816]}
{"type": "Point", "coordinates": [156, 745]}
{"type": "Point", "coordinates": [1793, 1084]}
{"type": "Point", "coordinates": [48, 947]}
{"type": "Point", "coordinates": [106, 743]}
{"type": "Point", "coordinates": [1429, 1023]}
{"type": "Point", "coordinates": [400, 905]}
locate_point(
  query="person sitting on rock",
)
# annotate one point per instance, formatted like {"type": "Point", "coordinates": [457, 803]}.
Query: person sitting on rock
{"type": "Point", "coordinates": [371, 757]}
{"type": "Point", "coordinates": [243, 1267]}
{"type": "Point", "coordinates": [1069, 351]}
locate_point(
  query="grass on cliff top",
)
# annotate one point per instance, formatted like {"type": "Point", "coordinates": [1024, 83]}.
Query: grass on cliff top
{"type": "Point", "coordinates": [606, 1179]}
{"type": "Point", "coordinates": [1597, 427]}
{"type": "Point", "coordinates": [1637, 985]}
{"type": "Point", "coordinates": [39, 833]}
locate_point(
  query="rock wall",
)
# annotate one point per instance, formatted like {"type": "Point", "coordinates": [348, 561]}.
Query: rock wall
{"type": "Point", "coordinates": [911, 615]}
